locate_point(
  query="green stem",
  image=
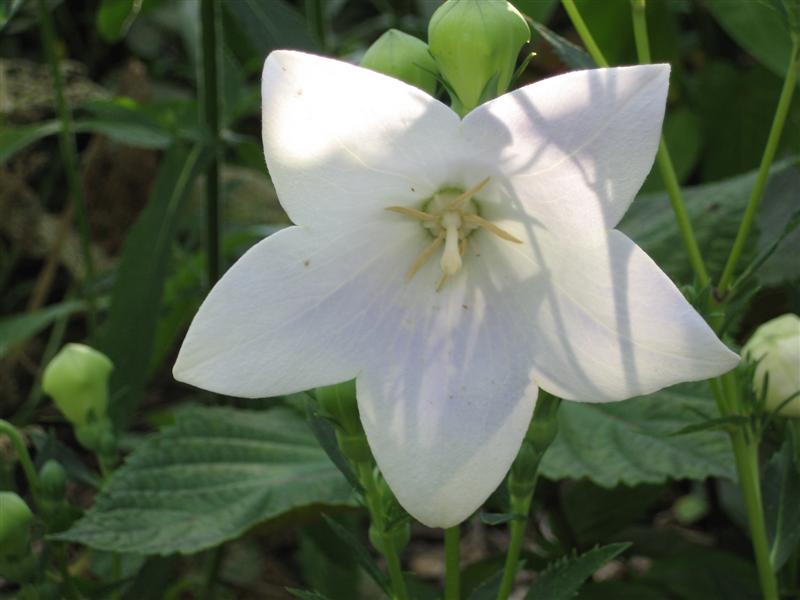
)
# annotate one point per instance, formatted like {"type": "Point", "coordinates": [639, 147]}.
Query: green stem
{"type": "Point", "coordinates": [213, 564]}
{"type": "Point", "coordinates": [746, 453]}
{"type": "Point", "coordinates": [522, 480]}
{"type": "Point", "coordinates": [69, 156]}
{"type": "Point", "coordinates": [366, 477]}
{"type": "Point", "coordinates": [520, 508]}
{"type": "Point", "coordinates": [24, 458]}
{"type": "Point", "coordinates": [452, 560]}
{"type": "Point", "coordinates": [316, 21]}
{"type": "Point", "coordinates": [210, 29]}
{"type": "Point", "coordinates": [778, 121]}
{"type": "Point", "coordinates": [663, 159]}
{"type": "Point", "coordinates": [584, 33]}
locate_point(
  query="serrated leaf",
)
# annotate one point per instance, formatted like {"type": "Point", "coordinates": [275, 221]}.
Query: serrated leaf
{"type": "Point", "coordinates": [215, 474]}
{"type": "Point", "coordinates": [715, 210]}
{"type": "Point", "coordinates": [563, 579]}
{"type": "Point", "coordinates": [631, 442]}
{"type": "Point", "coordinates": [362, 555]}
{"type": "Point", "coordinates": [781, 507]}
{"type": "Point", "coordinates": [326, 436]}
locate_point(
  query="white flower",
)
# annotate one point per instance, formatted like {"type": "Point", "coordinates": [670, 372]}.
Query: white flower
{"type": "Point", "coordinates": [448, 359]}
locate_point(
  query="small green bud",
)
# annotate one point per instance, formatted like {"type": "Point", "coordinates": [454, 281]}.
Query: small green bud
{"type": "Point", "coordinates": [53, 480]}
{"type": "Point", "coordinates": [77, 380]}
{"type": "Point", "coordinates": [403, 57]}
{"type": "Point", "coordinates": [15, 522]}
{"type": "Point", "coordinates": [475, 44]}
{"type": "Point", "coordinates": [339, 402]}
{"type": "Point", "coordinates": [776, 347]}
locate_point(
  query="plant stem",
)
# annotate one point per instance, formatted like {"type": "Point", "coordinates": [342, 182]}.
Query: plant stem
{"type": "Point", "coordinates": [24, 458]}
{"type": "Point", "coordinates": [452, 560]}
{"type": "Point", "coordinates": [208, 17]}
{"type": "Point", "coordinates": [746, 453]}
{"type": "Point", "coordinates": [366, 477]}
{"type": "Point", "coordinates": [315, 15]}
{"type": "Point", "coordinates": [69, 156]}
{"type": "Point", "coordinates": [522, 479]}
{"type": "Point", "coordinates": [778, 121]}
{"type": "Point", "coordinates": [663, 158]}
{"type": "Point", "coordinates": [213, 564]}
{"type": "Point", "coordinates": [584, 33]}
{"type": "Point", "coordinates": [520, 508]}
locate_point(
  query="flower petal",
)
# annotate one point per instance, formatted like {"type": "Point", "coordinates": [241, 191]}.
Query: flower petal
{"type": "Point", "coordinates": [291, 314]}
{"type": "Point", "coordinates": [609, 324]}
{"type": "Point", "coordinates": [574, 149]}
{"type": "Point", "coordinates": [341, 140]}
{"type": "Point", "coordinates": [446, 395]}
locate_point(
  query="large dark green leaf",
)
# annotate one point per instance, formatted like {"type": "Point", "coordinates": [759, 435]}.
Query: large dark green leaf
{"type": "Point", "coordinates": [563, 579]}
{"type": "Point", "coordinates": [715, 210]}
{"type": "Point", "coordinates": [631, 442]}
{"type": "Point", "coordinates": [758, 28]}
{"type": "Point", "coordinates": [129, 333]}
{"type": "Point", "coordinates": [271, 25]}
{"type": "Point", "coordinates": [208, 479]}
{"type": "Point", "coordinates": [782, 503]}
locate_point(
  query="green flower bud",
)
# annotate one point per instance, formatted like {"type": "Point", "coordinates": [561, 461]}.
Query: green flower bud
{"type": "Point", "coordinates": [77, 380]}
{"type": "Point", "coordinates": [53, 480]}
{"type": "Point", "coordinates": [776, 347]}
{"type": "Point", "coordinates": [403, 57]}
{"type": "Point", "coordinates": [475, 44]}
{"type": "Point", "coordinates": [339, 402]}
{"type": "Point", "coordinates": [15, 522]}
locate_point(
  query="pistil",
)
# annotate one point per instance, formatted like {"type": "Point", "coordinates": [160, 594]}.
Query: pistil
{"type": "Point", "coordinates": [450, 218]}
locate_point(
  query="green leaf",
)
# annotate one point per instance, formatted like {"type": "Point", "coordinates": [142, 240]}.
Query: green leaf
{"type": "Point", "coordinates": [18, 328]}
{"type": "Point", "coordinates": [758, 28]}
{"type": "Point", "coordinates": [500, 518]}
{"type": "Point", "coordinates": [361, 554]}
{"type": "Point", "coordinates": [306, 594]}
{"type": "Point", "coordinates": [595, 513]}
{"type": "Point", "coordinates": [538, 10]}
{"type": "Point", "coordinates": [271, 25]}
{"type": "Point", "coordinates": [781, 507]}
{"type": "Point", "coordinates": [140, 134]}
{"type": "Point", "coordinates": [328, 566]}
{"type": "Point", "coordinates": [571, 55]}
{"type": "Point", "coordinates": [715, 209]}
{"type": "Point", "coordinates": [563, 579]}
{"type": "Point", "coordinates": [211, 477]}
{"type": "Point", "coordinates": [115, 17]}
{"type": "Point", "coordinates": [128, 334]}
{"type": "Point", "coordinates": [631, 442]}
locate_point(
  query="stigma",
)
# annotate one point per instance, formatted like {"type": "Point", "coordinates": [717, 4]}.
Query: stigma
{"type": "Point", "coordinates": [450, 217]}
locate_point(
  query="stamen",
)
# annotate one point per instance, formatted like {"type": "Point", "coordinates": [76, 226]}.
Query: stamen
{"type": "Point", "coordinates": [467, 195]}
{"type": "Point", "coordinates": [412, 212]}
{"type": "Point", "coordinates": [451, 258]}
{"type": "Point", "coordinates": [426, 254]}
{"type": "Point", "coordinates": [491, 227]}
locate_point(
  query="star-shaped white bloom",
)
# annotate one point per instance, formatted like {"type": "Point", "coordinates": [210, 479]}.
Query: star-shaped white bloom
{"type": "Point", "coordinates": [495, 270]}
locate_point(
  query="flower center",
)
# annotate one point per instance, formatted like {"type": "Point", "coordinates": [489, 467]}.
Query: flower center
{"type": "Point", "coordinates": [450, 217]}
